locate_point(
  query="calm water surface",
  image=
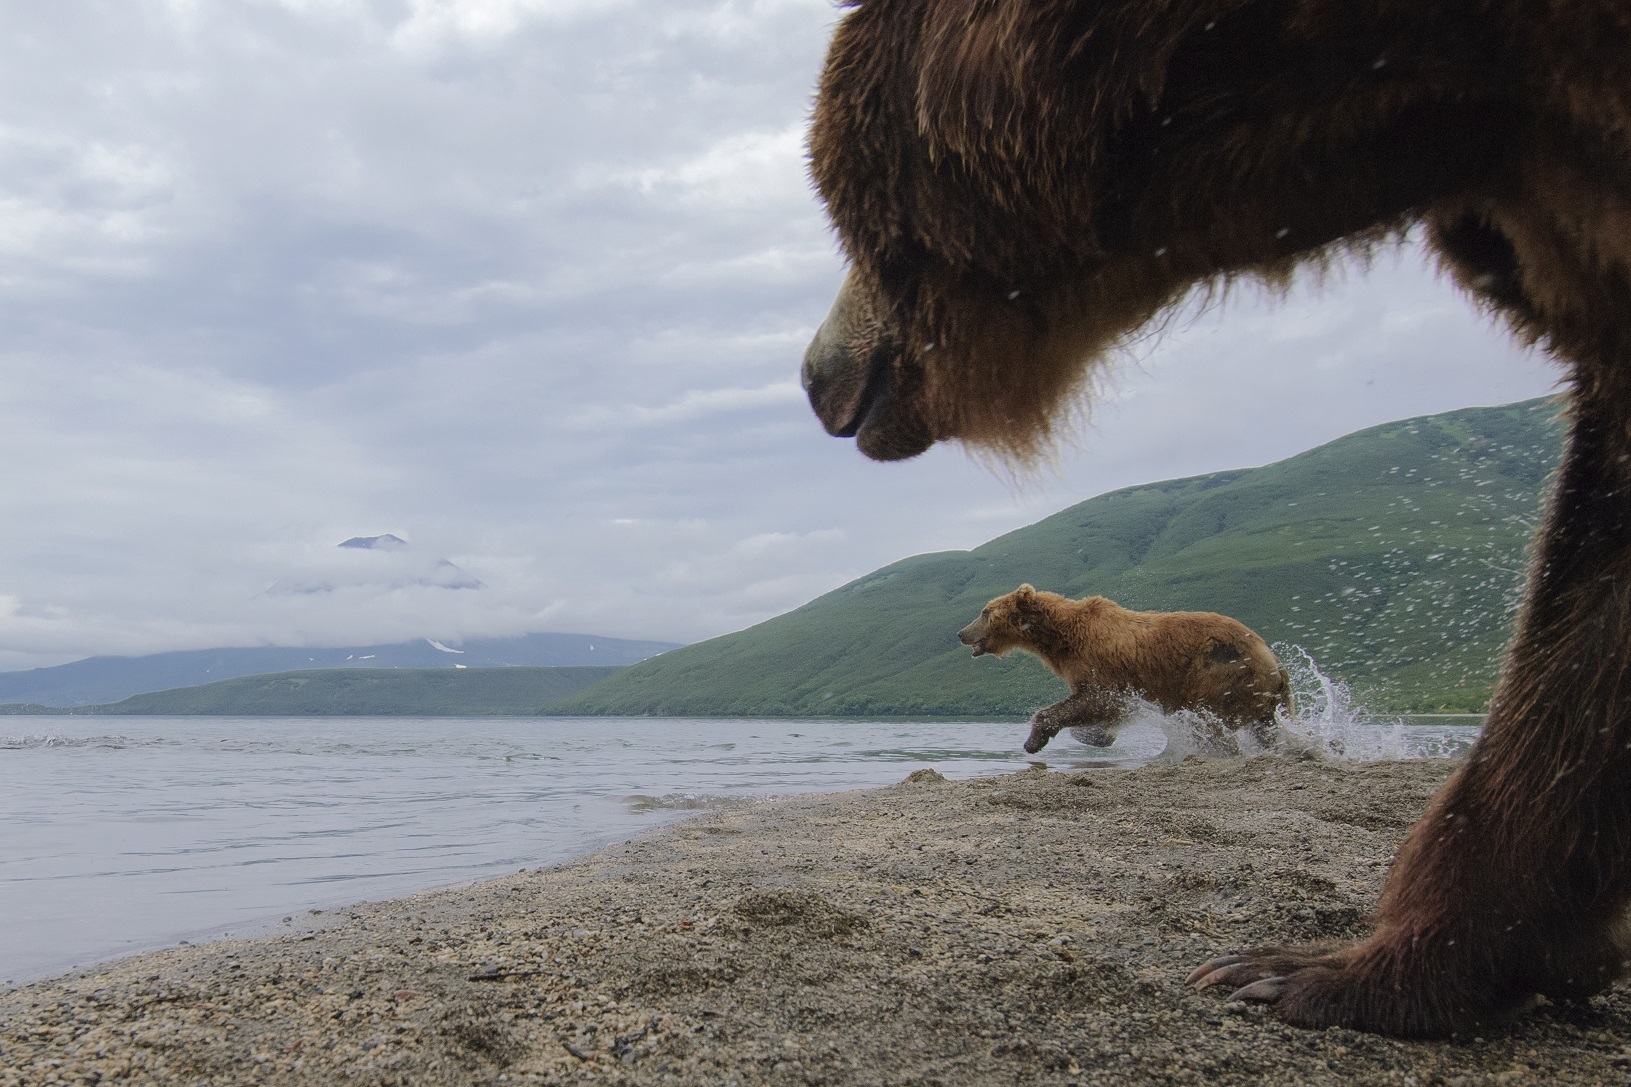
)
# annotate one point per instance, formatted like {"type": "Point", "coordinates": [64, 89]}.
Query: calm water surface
{"type": "Point", "coordinates": [123, 833]}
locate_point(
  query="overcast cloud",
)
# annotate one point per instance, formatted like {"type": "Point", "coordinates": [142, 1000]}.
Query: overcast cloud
{"type": "Point", "coordinates": [526, 283]}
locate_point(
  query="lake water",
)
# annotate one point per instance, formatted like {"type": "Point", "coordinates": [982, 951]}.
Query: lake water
{"type": "Point", "coordinates": [128, 833]}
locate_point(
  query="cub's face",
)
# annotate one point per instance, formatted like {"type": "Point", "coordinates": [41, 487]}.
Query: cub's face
{"type": "Point", "coordinates": [998, 628]}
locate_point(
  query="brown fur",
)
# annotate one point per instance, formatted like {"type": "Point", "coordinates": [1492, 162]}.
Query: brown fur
{"type": "Point", "coordinates": [1179, 660]}
{"type": "Point", "coordinates": [1023, 184]}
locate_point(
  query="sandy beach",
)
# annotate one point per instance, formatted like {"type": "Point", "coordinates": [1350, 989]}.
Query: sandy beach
{"type": "Point", "coordinates": [1028, 929]}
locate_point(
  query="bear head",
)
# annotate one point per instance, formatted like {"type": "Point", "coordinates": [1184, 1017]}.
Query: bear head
{"type": "Point", "coordinates": [1003, 624]}
{"type": "Point", "coordinates": [1022, 187]}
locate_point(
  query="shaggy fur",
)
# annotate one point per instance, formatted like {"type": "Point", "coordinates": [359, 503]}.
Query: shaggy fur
{"type": "Point", "coordinates": [1179, 660]}
{"type": "Point", "coordinates": [1023, 184]}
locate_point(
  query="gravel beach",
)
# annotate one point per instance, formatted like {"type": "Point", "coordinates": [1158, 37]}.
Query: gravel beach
{"type": "Point", "coordinates": [1028, 929]}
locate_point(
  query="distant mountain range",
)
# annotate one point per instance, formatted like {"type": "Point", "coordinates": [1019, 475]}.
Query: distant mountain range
{"type": "Point", "coordinates": [102, 680]}
{"type": "Point", "coordinates": [358, 692]}
{"type": "Point", "coordinates": [1394, 556]}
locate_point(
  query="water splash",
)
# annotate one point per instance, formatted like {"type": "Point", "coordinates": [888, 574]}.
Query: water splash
{"type": "Point", "coordinates": [1328, 724]}
{"type": "Point", "coordinates": [1150, 734]}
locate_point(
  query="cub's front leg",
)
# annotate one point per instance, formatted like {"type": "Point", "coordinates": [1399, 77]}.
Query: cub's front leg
{"type": "Point", "coordinates": [1092, 709]}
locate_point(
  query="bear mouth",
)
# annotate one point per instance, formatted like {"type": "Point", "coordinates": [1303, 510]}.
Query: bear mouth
{"type": "Point", "coordinates": [856, 397]}
{"type": "Point", "coordinates": [856, 392]}
{"type": "Point", "coordinates": [978, 648]}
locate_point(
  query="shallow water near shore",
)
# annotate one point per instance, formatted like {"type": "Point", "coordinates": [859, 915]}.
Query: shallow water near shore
{"type": "Point", "coordinates": [130, 833]}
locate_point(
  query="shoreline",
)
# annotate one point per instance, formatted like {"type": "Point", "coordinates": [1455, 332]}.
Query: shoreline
{"type": "Point", "coordinates": [1034, 927]}
{"type": "Point", "coordinates": [1378, 717]}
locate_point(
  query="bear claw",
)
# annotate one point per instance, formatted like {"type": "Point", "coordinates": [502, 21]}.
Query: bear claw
{"type": "Point", "coordinates": [1241, 973]}
{"type": "Point", "coordinates": [1209, 974]}
{"type": "Point", "coordinates": [1262, 991]}
{"type": "Point", "coordinates": [1234, 970]}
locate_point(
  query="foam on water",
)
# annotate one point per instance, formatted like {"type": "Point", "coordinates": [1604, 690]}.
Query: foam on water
{"type": "Point", "coordinates": [25, 743]}
{"type": "Point", "coordinates": [686, 802]}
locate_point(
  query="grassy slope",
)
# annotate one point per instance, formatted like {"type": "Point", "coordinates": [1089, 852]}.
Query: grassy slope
{"type": "Point", "coordinates": [390, 692]}
{"type": "Point", "coordinates": [1393, 555]}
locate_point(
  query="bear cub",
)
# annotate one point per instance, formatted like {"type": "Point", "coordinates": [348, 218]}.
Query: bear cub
{"type": "Point", "coordinates": [1179, 660]}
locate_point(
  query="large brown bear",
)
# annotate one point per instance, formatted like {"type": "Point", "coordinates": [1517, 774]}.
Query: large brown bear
{"type": "Point", "coordinates": [1179, 660]}
{"type": "Point", "coordinates": [1021, 185]}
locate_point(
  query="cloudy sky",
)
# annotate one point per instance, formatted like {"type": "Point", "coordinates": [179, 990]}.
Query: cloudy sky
{"type": "Point", "coordinates": [526, 283]}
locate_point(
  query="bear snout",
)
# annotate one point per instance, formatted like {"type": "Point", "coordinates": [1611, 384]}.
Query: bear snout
{"type": "Point", "coordinates": [970, 636]}
{"type": "Point", "coordinates": [850, 375]}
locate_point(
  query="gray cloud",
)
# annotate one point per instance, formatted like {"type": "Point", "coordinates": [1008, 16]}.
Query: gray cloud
{"type": "Point", "coordinates": [525, 282]}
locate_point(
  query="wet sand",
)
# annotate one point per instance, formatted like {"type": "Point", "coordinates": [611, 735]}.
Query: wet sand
{"type": "Point", "coordinates": [1028, 929]}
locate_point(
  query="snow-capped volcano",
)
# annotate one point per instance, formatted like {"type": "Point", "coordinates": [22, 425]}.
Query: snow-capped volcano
{"type": "Point", "coordinates": [387, 542]}
{"type": "Point", "coordinates": [385, 563]}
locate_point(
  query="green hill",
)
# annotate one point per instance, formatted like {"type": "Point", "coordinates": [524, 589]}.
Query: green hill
{"type": "Point", "coordinates": [355, 692]}
{"type": "Point", "coordinates": [1394, 556]}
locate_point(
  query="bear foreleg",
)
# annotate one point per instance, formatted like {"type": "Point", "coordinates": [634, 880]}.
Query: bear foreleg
{"type": "Point", "coordinates": [1090, 708]}
{"type": "Point", "coordinates": [1515, 881]}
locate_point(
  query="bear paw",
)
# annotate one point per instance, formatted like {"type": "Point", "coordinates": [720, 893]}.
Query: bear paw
{"type": "Point", "coordinates": [1345, 987]}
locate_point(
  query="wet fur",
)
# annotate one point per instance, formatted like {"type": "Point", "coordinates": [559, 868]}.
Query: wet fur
{"type": "Point", "coordinates": [1104, 159]}
{"type": "Point", "coordinates": [1178, 660]}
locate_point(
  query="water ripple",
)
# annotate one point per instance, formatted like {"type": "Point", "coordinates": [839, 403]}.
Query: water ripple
{"type": "Point", "coordinates": [161, 828]}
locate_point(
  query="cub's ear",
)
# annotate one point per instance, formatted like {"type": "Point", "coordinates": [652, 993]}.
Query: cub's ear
{"type": "Point", "coordinates": [1024, 592]}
